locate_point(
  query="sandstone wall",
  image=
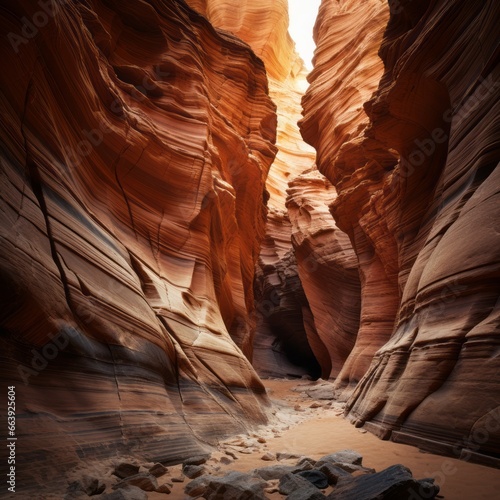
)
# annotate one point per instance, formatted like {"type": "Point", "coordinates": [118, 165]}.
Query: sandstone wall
{"type": "Point", "coordinates": [418, 195]}
{"type": "Point", "coordinates": [304, 323]}
{"type": "Point", "coordinates": [136, 141]}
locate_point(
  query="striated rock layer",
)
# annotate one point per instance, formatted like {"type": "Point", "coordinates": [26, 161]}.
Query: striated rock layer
{"type": "Point", "coordinates": [136, 140]}
{"type": "Point", "coordinates": [418, 195]}
{"type": "Point", "coordinates": [280, 346]}
{"type": "Point", "coordinates": [305, 324]}
{"type": "Point", "coordinates": [328, 269]}
{"type": "Point", "coordinates": [345, 75]}
{"type": "Point", "coordinates": [284, 318]}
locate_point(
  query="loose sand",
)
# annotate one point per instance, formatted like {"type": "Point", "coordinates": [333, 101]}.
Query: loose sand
{"type": "Point", "coordinates": [315, 432]}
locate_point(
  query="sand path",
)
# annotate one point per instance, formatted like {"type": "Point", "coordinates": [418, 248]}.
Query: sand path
{"type": "Point", "coordinates": [320, 431]}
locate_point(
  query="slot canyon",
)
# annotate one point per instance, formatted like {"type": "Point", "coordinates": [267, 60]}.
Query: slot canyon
{"type": "Point", "coordinates": [189, 215]}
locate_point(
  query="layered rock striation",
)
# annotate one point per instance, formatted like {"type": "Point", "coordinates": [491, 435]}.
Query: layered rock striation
{"type": "Point", "coordinates": [302, 327]}
{"type": "Point", "coordinates": [136, 140]}
{"type": "Point", "coordinates": [346, 72]}
{"type": "Point", "coordinates": [418, 195]}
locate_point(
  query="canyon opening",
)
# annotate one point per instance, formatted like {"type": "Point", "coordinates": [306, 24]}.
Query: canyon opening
{"type": "Point", "coordinates": [229, 271]}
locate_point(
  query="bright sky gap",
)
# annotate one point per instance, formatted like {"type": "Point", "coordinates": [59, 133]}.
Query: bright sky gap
{"type": "Point", "coordinates": [302, 18]}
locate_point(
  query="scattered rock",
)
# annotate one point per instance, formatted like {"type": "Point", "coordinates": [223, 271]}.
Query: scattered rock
{"type": "Point", "coordinates": [316, 405]}
{"type": "Point", "coordinates": [158, 470]}
{"type": "Point", "coordinates": [302, 460]}
{"type": "Point", "coordinates": [306, 465]}
{"type": "Point", "coordinates": [247, 451]}
{"type": "Point", "coordinates": [142, 480]}
{"type": "Point", "coordinates": [306, 492]}
{"type": "Point", "coordinates": [286, 456]}
{"type": "Point", "coordinates": [125, 493]}
{"type": "Point", "coordinates": [290, 482]}
{"type": "Point", "coordinates": [231, 454]}
{"type": "Point", "coordinates": [233, 486]}
{"type": "Point", "coordinates": [298, 408]}
{"type": "Point", "coordinates": [225, 460]}
{"type": "Point", "coordinates": [199, 460]}
{"type": "Point", "coordinates": [126, 469]}
{"type": "Point", "coordinates": [394, 482]}
{"type": "Point", "coordinates": [88, 485]}
{"type": "Point", "coordinates": [278, 471]}
{"type": "Point", "coordinates": [193, 471]}
{"type": "Point", "coordinates": [272, 487]}
{"type": "Point", "coordinates": [354, 468]}
{"type": "Point", "coordinates": [332, 472]}
{"type": "Point", "coordinates": [363, 431]}
{"type": "Point", "coordinates": [164, 488]}
{"type": "Point", "coordinates": [343, 457]}
{"type": "Point", "coordinates": [197, 487]}
{"type": "Point", "coordinates": [177, 479]}
{"type": "Point", "coordinates": [324, 392]}
{"type": "Point", "coordinates": [261, 440]}
{"type": "Point", "coordinates": [315, 477]}
{"type": "Point", "coordinates": [269, 457]}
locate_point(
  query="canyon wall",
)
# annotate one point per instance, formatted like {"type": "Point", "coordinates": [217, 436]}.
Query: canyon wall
{"type": "Point", "coordinates": [305, 324]}
{"type": "Point", "coordinates": [165, 226]}
{"type": "Point", "coordinates": [417, 173]}
{"type": "Point", "coordinates": [135, 144]}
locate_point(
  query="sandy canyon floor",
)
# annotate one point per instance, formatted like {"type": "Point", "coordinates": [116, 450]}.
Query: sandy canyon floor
{"type": "Point", "coordinates": [312, 427]}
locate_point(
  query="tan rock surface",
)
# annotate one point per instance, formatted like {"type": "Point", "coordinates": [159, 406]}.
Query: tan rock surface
{"type": "Point", "coordinates": [346, 73]}
{"type": "Point", "coordinates": [418, 196]}
{"type": "Point", "coordinates": [260, 23]}
{"type": "Point", "coordinates": [298, 311]}
{"type": "Point", "coordinates": [136, 141]}
{"type": "Point", "coordinates": [328, 269]}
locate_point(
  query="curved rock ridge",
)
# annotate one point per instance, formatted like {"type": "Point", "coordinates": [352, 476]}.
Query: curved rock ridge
{"type": "Point", "coordinates": [345, 75]}
{"type": "Point", "coordinates": [136, 141]}
{"type": "Point", "coordinates": [281, 345]}
{"type": "Point", "coordinates": [328, 270]}
{"type": "Point", "coordinates": [418, 195]}
{"type": "Point", "coordinates": [284, 320]}
{"type": "Point", "coordinates": [260, 23]}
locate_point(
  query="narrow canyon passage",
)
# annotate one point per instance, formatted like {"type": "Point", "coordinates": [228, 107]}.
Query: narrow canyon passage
{"type": "Point", "coordinates": [189, 213]}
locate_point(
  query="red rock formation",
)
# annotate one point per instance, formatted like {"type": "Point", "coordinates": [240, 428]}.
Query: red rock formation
{"type": "Point", "coordinates": [283, 317]}
{"type": "Point", "coordinates": [260, 23]}
{"type": "Point", "coordinates": [418, 195]}
{"type": "Point", "coordinates": [346, 73]}
{"type": "Point", "coordinates": [285, 321]}
{"type": "Point", "coordinates": [136, 141]}
{"type": "Point", "coordinates": [328, 270]}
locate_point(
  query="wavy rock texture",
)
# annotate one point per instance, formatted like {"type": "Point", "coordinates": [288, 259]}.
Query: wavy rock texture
{"type": "Point", "coordinates": [285, 321]}
{"type": "Point", "coordinates": [418, 194]}
{"type": "Point", "coordinates": [136, 141]}
{"type": "Point", "coordinates": [283, 317]}
{"type": "Point", "coordinates": [328, 269]}
{"type": "Point", "coordinates": [260, 23]}
{"type": "Point", "coordinates": [345, 75]}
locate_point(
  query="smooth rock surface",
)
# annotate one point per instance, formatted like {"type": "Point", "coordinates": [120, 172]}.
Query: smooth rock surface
{"type": "Point", "coordinates": [136, 140]}
{"type": "Point", "coordinates": [410, 143]}
{"type": "Point", "coordinates": [395, 482]}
